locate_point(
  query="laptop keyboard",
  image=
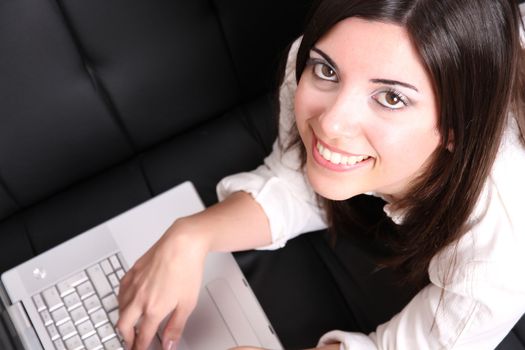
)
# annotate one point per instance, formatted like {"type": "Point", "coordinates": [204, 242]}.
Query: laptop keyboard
{"type": "Point", "coordinates": [81, 311]}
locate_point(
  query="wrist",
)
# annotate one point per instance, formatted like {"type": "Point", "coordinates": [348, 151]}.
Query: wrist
{"type": "Point", "coordinates": [189, 233]}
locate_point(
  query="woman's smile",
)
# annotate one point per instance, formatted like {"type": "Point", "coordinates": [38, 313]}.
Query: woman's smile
{"type": "Point", "coordinates": [337, 160]}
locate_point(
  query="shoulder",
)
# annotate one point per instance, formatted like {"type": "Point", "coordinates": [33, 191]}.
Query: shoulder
{"type": "Point", "coordinates": [493, 249]}
{"type": "Point", "coordinates": [505, 185]}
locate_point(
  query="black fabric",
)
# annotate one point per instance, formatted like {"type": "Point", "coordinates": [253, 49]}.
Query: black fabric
{"type": "Point", "coordinates": [324, 280]}
{"type": "Point", "coordinates": [297, 292]}
{"type": "Point", "coordinates": [307, 289]}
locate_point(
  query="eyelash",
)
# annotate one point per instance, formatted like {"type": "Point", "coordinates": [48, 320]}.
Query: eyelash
{"type": "Point", "coordinates": [316, 62]}
{"type": "Point", "coordinates": [398, 95]}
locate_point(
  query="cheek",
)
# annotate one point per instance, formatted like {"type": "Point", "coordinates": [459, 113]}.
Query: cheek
{"type": "Point", "coordinates": [409, 150]}
{"type": "Point", "coordinates": [301, 103]}
{"type": "Point", "coordinates": [302, 112]}
{"type": "Point", "coordinates": [307, 104]}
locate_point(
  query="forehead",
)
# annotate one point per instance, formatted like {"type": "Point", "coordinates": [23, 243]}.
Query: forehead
{"type": "Point", "coordinates": [377, 48]}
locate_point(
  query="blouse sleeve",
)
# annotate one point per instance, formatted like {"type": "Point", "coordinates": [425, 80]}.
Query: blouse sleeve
{"type": "Point", "coordinates": [280, 185]}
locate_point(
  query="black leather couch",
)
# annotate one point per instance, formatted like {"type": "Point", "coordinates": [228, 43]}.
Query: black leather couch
{"type": "Point", "coordinates": [106, 103]}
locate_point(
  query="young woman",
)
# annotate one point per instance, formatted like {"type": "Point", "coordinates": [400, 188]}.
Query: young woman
{"type": "Point", "coordinates": [416, 102]}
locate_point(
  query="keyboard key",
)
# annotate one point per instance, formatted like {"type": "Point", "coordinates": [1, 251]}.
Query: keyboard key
{"type": "Point", "coordinates": [85, 329]}
{"type": "Point", "coordinates": [110, 302]}
{"type": "Point", "coordinates": [113, 344]}
{"type": "Point", "coordinates": [39, 302]}
{"type": "Point", "coordinates": [53, 332]}
{"type": "Point", "coordinates": [106, 331]}
{"type": "Point", "coordinates": [92, 303]}
{"type": "Point", "coordinates": [46, 317]}
{"type": "Point", "coordinates": [120, 274]}
{"type": "Point", "coordinates": [72, 301]}
{"type": "Point", "coordinates": [60, 315]}
{"type": "Point", "coordinates": [115, 262]}
{"type": "Point", "coordinates": [106, 267]}
{"type": "Point", "coordinates": [85, 290]}
{"type": "Point", "coordinates": [52, 298]}
{"type": "Point", "coordinates": [113, 316]}
{"type": "Point", "coordinates": [78, 315]}
{"type": "Point", "coordinates": [67, 286]}
{"type": "Point", "coordinates": [99, 317]}
{"type": "Point", "coordinates": [59, 344]}
{"type": "Point", "coordinates": [67, 329]}
{"type": "Point", "coordinates": [113, 279]}
{"type": "Point", "coordinates": [93, 342]}
{"type": "Point", "coordinates": [74, 343]}
{"type": "Point", "coordinates": [100, 282]}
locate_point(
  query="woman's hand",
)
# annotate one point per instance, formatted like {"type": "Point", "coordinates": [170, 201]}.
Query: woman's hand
{"type": "Point", "coordinates": [167, 278]}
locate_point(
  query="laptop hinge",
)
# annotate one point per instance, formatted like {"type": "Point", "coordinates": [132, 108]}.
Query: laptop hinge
{"type": "Point", "coordinates": [17, 328]}
{"type": "Point", "coordinates": [7, 329]}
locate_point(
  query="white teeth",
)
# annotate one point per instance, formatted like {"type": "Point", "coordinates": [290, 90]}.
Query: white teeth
{"type": "Point", "coordinates": [335, 158]}
{"type": "Point", "coordinates": [338, 158]}
{"type": "Point", "coordinates": [327, 154]}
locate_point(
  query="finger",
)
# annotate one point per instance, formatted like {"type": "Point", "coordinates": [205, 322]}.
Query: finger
{"type": "Point", "coordinates": [127, 290]}
{"type": "Point", "coordinates": [146, 331]}
{"type": "Point", "coordinates": [128, 317]}
{"type": "Point", "coordinates": [128, 276]}
{"type": "Point", "coordinates": [175, 325]}
{"type": "Point", "coordinates": [125, 298]}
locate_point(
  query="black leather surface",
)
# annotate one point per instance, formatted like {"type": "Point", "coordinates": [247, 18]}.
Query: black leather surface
{"type": "Point", "coordinates": [113, 102]}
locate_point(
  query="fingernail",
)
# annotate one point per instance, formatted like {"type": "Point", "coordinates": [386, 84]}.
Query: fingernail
{"type": "Point", "coordinates": [169, 345]}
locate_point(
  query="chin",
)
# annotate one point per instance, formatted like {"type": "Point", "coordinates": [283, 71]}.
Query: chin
{"type": "Point", "coordinates": [329, 189]}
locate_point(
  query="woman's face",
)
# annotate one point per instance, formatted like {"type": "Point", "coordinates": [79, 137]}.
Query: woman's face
{"type": "Point", "coordinates": [366, 111]}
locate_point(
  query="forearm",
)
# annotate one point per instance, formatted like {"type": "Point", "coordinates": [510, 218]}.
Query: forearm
{"type": "Point", "coordinates": [236, 223]}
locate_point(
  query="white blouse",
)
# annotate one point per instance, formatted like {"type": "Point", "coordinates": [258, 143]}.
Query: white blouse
{"type": "Point", "coordinates": [485, 293]}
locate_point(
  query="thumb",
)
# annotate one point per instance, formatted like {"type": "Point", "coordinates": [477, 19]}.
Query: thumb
{"type": "Point", "coordinates": [174, 328]}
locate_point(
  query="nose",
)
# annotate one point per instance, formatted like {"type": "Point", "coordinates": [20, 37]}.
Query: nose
{"type": "Point", "coordinates": [343, 115]}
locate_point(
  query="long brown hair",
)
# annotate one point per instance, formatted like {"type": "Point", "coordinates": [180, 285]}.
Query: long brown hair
{"type": "Point", "coordinates": [471, 50]}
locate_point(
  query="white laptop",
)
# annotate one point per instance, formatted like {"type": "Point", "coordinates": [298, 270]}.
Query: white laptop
{"type": "Point", "coordinates": [65, 298]}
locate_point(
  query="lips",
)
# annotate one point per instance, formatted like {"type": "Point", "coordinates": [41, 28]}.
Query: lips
{"type": "Point", "coordinates": [338, 158]}
{"type": "Point", "coordinates": [334, 160]}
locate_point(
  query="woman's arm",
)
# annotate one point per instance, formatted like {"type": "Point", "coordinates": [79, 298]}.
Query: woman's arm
{"type": "Point", "coordinates": [168, 276]}
{"type": "Point", "coordinates": [237, 223]}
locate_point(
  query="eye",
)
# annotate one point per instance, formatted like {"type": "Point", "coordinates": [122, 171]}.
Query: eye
{"type": "Point", "coordinates": [391, 99]}
{"type": "Point", "coordinates": [322, 70]}
{"type": "Point", "coordinates": [325, 72]}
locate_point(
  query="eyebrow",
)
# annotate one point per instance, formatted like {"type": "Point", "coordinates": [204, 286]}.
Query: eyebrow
{"type": "Point", "coordinates": [326, 57]}
{"type": "Point", "coordinates": [393, 82]}
{"type": "Point", "coordinates": [375, 81]}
